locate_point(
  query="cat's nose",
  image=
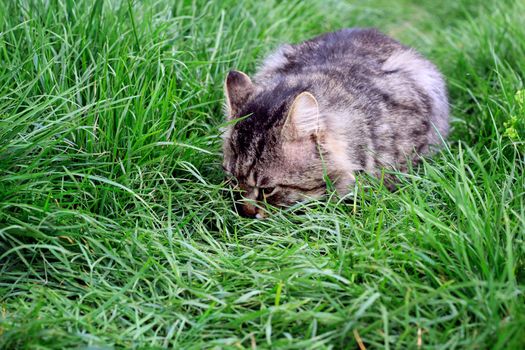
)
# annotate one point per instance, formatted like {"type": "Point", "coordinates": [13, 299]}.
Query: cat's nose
{"type": "Point", "coordinates": [249, 211]}
{"type": "Point", "coordinates": [246, 202]}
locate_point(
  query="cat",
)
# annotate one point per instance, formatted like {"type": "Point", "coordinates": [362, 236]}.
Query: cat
{"type": "Point", "coordinates": [344, 102]}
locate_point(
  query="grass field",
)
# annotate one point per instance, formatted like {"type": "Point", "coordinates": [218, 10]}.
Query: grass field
{"type": "Point", "coordinates": [116, 230]}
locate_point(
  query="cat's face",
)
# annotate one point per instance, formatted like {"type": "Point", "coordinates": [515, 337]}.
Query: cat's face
{"type": "Point", "coordinates": [271, 148]}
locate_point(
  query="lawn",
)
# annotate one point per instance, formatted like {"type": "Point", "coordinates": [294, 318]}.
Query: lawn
{"type": "Point", "coordinates": [117, 231]}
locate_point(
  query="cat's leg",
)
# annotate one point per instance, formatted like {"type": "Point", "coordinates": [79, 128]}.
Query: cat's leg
{"type": "Point", "coordinates": [344, 184]}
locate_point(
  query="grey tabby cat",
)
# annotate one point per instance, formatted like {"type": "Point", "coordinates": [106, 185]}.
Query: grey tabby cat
{"type": "Point", "coordinates": [349, 101]}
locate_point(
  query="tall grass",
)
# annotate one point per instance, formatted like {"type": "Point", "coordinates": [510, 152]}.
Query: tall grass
{"type": "Point", "coordinates": [116, 230]}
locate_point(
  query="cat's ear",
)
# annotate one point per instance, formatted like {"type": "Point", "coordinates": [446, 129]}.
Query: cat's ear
{"type": "Point", "coordinates": [237, 89]}
{"type": "Point", "coordinates": [303, 119]}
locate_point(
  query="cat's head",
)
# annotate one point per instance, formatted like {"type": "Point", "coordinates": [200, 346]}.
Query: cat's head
{"type": "Point", "coordinates": [271, 144]}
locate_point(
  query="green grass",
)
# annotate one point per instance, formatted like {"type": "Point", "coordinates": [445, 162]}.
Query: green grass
{"type": "Point", "coordinates": [116, 230]}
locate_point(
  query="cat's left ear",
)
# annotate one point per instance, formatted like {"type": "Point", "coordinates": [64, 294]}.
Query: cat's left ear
{"type": "Point", "coordinates": [237, 89]}
{"type": "Point", "coordinates": [303, 120]}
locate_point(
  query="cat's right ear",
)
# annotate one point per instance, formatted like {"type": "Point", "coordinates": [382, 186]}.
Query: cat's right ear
{"type": "Point", "coordinates": [303, 119]}
{"type": "Point", "coordinates": [237, 89]}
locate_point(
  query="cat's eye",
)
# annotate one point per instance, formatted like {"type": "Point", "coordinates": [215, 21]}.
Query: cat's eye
{"type": "Point", "coordinates": [267, 191]}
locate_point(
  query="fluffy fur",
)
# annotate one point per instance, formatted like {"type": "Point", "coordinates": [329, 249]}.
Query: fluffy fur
{"type": "Point", "coordinates": [343, 102]}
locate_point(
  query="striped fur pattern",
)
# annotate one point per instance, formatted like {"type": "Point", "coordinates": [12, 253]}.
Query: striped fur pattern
{"type": "Point", "coordinates": [344, 102]}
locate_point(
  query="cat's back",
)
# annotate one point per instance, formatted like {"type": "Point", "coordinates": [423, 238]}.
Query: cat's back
{"type": "Point", "coordinates": [334, 50]}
